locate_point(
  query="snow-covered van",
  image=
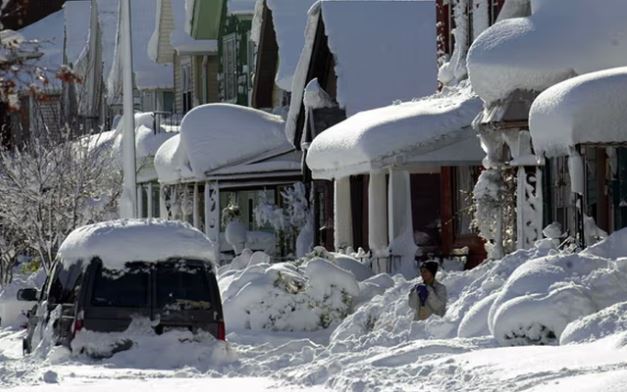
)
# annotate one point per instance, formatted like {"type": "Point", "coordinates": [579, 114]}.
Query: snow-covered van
{"type": "Point", "coordinates": [109, 273]}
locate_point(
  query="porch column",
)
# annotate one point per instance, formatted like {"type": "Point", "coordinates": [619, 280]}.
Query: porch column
{"type": "Point", "coordinates": [400, 229]}
{"type": "Point", "coordinates": [377, 214]}
{"type": "Point", "coordinates": [196, 207]}
{"type": "Point", "coordinates": [343, 219]}
{"type": "Point", "coordinates": [149, 199]}
{"type": "Point", "coordinates": [212, 216]}
{"type": "Point", "coordinates": [163, 210]}
{"type": "Point", "coordinates": [140, 201]}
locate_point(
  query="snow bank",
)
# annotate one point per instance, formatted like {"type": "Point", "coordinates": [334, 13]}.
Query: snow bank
{"type": "Point", "coordinates": [608, 321]}
{"type": "Point", "coordinates": [145, 350]}
{"type": "Point", "coordinates": [12, 311]}
{"type": "Point", "coordinates": [423, 130]}
{"type": "Point", "coordinates": [148, 142]}
{"type": "Point", "coordinates": [150, 240]}
{"type": "Point", "coordinates": [362, 52]}
{"type": "Point", "coordinates": [585, 109]}
{"type": "Point", "coordinates": [544, 295]}
{"type": "Point", "coordinates": [215, 135]}
{"type": "Point", "coordinates": [288, 297]}
{"type": "Point", "coordinates": [535, 52]}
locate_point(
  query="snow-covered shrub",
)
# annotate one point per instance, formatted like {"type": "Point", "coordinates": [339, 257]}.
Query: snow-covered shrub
{"type": "Point", "coordinates": [287, 297]}
{"type": "Point", "coordinates": [608, 321]}
{"type": "Point", "coordinates": [544, 295]}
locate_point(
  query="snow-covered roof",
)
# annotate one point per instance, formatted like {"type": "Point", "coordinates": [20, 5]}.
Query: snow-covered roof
{"type": "Point", "coordinates": [217, 136]}
{"type": "Point", "coordinates": [148, 74]}
{"type": "Point", "coordinates": [289, 18]}
{"type": "Point", "coordinates": [374, 66]}
{"type": "Point", "coordinates": [120, 241]}
{"type": "Point", "coordinates": [433, 131]}
{"type": "Point", "coordinates": [178, 39]}
{"type": "Point", "coordinates": [240, 7]}
{"type": "Point", "coordinates": [559, 40]}
{"type": "Point", "coordinates": [49, 33]}
{"type": "Point", "coordinates": [586, 109]}
{"type": "Point", "coordinates": [171, 162]}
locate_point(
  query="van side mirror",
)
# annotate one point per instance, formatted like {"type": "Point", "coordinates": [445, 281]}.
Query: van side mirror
{"type": "Point", "coordinates": [28, 294]}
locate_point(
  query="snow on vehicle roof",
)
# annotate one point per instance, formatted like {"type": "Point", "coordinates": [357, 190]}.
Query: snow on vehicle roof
{"type": "Point", "coordinates": [171, 161]}
{"type": "Point", "coordinates": [289, 18]}
{"type": "Point", "coordinates": [586, 109]}
{"type": "Point", "coordinates": [120, 241]}
{"type": "Point", "coordinates": [216, 135]}
{"type": "Point", "coordinates": [366, 75]}
{"type": "Point", "coordinates": [433, 130]}
{"type": "Point", "coordinates": [559, 40]}
{"type": "Point", "coordinates": [148, 74]}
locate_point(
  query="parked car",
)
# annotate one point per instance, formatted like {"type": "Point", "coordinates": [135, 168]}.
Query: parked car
{"type": "Point", "coordinates": [100, 281]}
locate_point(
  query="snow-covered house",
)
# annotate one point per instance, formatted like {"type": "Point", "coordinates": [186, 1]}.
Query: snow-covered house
{"type": "Point", "coordinates": [228, 21]}
{"type": "Point", "coordinates": [195, 62]}
{"type": "Point", "coordinates": [277, 32]}
{"type": "Point", "coordinates": [513, 62]}
{"type": "Point", "coordinates": [229, 164]}
{"type": "Point", "coordinates": [153, 83]}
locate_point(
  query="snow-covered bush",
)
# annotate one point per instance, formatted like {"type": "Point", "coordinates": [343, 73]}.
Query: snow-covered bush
{"type": "Point", "coordinates": [608, 321]}
{"type": "Point", "coordinates": [287, 297]}
{"type": "Point", "coordinates": [545, 294]}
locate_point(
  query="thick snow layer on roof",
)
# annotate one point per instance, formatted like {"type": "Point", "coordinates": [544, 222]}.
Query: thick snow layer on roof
{"type": "Point", "coordinates": [586, 109]}
{"type": "Point", "coordinates": [148, 74]}
{"type": "Point", "coordinates": [560, 39]}
{"type": "Point", "coordinates": [398, 134]}
{"type": "Point", "coordinates": [240, 7]}
{"type": "Point", "coordinates": [215, 135]}
{"type": "Point", "coordinates": [366, 75]}
{"type": "Point", "coordinates": [120, 241]}
{"type": "Point", "coordinates": [171, 162]}
{"type": "Point", "coordinates": [289, 18]}
{"type": "Point", "coordinates": [49, 33]}
{"type": "Point", "coordinates": [180, 40]}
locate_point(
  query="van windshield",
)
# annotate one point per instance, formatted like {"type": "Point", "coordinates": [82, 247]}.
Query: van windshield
{"type": "Point", "coordinates": [182, 286]}
{"type": "Point", "coordinates": [127, 288]}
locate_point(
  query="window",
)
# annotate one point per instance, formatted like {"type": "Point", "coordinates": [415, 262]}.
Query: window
{"type": "Point", "coordinates": [230, 67]}
{"type": "Point", "coordinates": [126, 288]}
{"type": "Point", "coordinates": [156, 202]}
{"type": "Point", "coordinates": [562, 198]}
{"type": "Point", "coordinates": [182, 286]}
{"type": "Point", "coordinates": [186, 86]}
{"type": "Point", "coordinates": [65, 283]}
{"type": "Point", "coordinates": [168, 102]}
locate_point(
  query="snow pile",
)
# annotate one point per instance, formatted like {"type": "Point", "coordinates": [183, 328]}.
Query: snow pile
{"type": "Point", "coordinates": [544, 295]}
{"type": "Point", "coordinates": [12, 311]}
{"type": "Point", "coordinates": [171, 162]}
{"type": "Point", "coordinates": [215, 135]}
{"type": "Point", "coordinates": [586, 109]}
{"type": "Point", "coordinates": [148, 142]}
{"type": "Point", "coordinates": [288, 19]}
{"type": "Point", "coordinates": [150, 240]}
{"type": "Point", "coordinates": [288, 297]}
{"type": "Point", "coordinates": [361, 53]}
{"type": "Point", "coordinates": [535, 52]}
{"type": "Point", "coordinates": [433, 129]}
{"type": "Point", "coordinates": [139, 347]}
{"type": "Point", "coordinates": [608, 321]}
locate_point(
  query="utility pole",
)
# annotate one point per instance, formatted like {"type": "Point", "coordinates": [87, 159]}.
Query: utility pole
{"type": "Point", "coordinates": [129, 191]}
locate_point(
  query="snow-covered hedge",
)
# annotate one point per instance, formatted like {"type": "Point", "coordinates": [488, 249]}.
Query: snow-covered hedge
{"type": "Point", "coordinates": [288, 296]}
{"type": "Point", "coordinates": [605, 322]}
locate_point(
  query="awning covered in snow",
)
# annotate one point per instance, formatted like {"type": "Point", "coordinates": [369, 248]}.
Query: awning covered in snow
{"type": "Point", "coordinates": [587, 109]}
{"type": "Point", "coordinates": [559, 40]}
{"type": "Point", "coordinates": [434, 131]}
{"type": "Point", "coordinates": [216, 137]}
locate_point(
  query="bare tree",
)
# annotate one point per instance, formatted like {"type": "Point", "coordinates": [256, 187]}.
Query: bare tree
{"type": "Point", "coordinates": [55, 183]}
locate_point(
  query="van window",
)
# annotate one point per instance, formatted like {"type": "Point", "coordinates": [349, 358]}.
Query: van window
{"type": "Point", "coordinates": [181, 286]}
{"type": "Point", "coordinates": [126, 288]}
{"type": "Point", "coordinates": [64, 283]}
